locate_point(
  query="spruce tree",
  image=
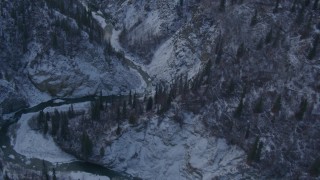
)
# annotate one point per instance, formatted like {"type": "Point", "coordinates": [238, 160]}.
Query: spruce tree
{"type": "Point", "coordinates": [45, 127]}
{"type": "Point", "coordinates": [260, 44]}
{"type": "Point", "coordinates": [255, 152]}
{"type": "Point", "coordinates": [254, 18]}
{"type": "Point", "coordinates": [149, 104]}
{"type": "Point", "coordinates": [54, 177]}
{"type": "Point", "coordinates": [277, 105]}
{"type": "Point", "coordinates": [55, 121]}
{"type": "Point", "coordinates": [101, 152]}
{"type": "Point", "coordinates": [45, 174]}
{"type": "Point", "coordinates": [238, 111]}
{"type": "Point", "coordinates": [300, 15]}
{"type": "Point", "coordinates": [293, 7]}
{"type": "Point", "coordinates": [240, 51]}
{"type": "Point", "coordinates": [315, 167]}
{"type": "Point", "coordinates": [130, 99]}
{"type": "Point", "coordinates": [222, 5]}
{"type": "Point", "coordinates": [315, 4]}
{"type": "Point", "coordinates": [258, 108]}
{"type": "Point", "coordinates": [302, 109]}
{"type": "Point", "coordinates": [124, 110]}
{"type": "Point", "coordinates": [231, 87]}
{"type": "Point", "coordinates": [269, 36]}
{"type": "Point", "coordinates": [41, 119]}
{"type": "Point", "coordinates": [86, 145]}
{"type": "Point", "coordinates": [71, 112]}
{"type": "Point", "coordinates": [313, 51]}
{"type": "Point", "coordinates": [275, 10]}
{"type": "Point", "coordinates": [64, 126]}
{"type": "Point", "coordinates": [54, 41]}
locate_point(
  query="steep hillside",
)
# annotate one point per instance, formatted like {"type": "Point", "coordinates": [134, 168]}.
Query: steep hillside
{"type": "Point", "coordinates": [218, 89]}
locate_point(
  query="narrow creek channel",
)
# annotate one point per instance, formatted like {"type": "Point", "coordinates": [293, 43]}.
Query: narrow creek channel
{"type": "Point", "coordinates": [10, 155]}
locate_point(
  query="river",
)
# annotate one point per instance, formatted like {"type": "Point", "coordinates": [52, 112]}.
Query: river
{"type": "Point", "coordinates": [10, 155]}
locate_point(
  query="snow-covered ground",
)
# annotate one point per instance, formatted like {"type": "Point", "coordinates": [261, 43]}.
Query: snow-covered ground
{"type": "Point", "coordinates": [81, 176]}
{"type": "Point", "coordinates": [33, 144]}
{"type": "Point", "coordinates": [163, 149]}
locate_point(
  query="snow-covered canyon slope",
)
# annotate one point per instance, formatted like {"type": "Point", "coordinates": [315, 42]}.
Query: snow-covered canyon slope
{"type": "Point", "coordinates": [243, 76]}
{"type": "Point", "coordinates": [165, 150]}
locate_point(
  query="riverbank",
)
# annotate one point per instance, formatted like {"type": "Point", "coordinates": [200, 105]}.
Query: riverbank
{"type": "Point", "coordinates": [24, 148]}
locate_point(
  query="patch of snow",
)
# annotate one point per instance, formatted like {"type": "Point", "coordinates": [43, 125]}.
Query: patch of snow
{"type": "Point", "coordinates": [82, 176]}
{"type": "Point", "coordinates": [33, 144]}
{"type": "Point", "coordinates": [98, 17]}
{"type": "Point", "coordinates": [58, 101]}
{"type": "Point", "coordinates": [11, 156]}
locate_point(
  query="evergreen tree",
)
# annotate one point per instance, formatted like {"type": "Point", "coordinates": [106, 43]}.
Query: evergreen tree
{"type": "Point", "coordinates": [239, 109]}
{"type": "Point", "coordinates": [258, 108]}
{"type": "Point", "coordinates": [54, 177]}
{"type": "Point", "coordinates": [315, 4]}
{"type": "Point", "coordinates": [86, 145]}
{"type": "Point", "coordinates": [95, 110]}
{"type": "Point", "coordinates": [102, 152]}
{"type": "Point", "coordinates": [181, 2]}
{"type": "Point", "coordinates": [130, 99]}
{"type": "Point", "coordinates": [258, 153]}
{"type": "Point", "coordinates": [118, 131]}
{"type": "Point", "coordinates": [302, 109]}
{"type": "Point", "coordinates": [41, 119]}
{"type": "Point", "coordinates": [149, 104]}
{"type": "Point", "coordinates": [222, 5]}
{"type": "Point", "coordinates": [124, 110]}
{"type": "Point", "coordinates": [307, 3]}
{"type": "Point", "coordinates": [132, 119]}
{"type": "Point", "coordinates": [55, 122]}
{"type": "Point", "coordinates": [156, 95]}
{"type": "Point", "coordinates": [45, 174]}
{"type": "Point", "coordinates": [254, 18]}
{"type": "Point", "coordinates": [315, 167]}
{"type": "Point", "coordinates": [6, 176]}
{"type": "Point", "coordinates": [134, 102]}
{"type": "Point", "coordinates": [255, 151]}
{"type": "Point", "coordinates": [293, 7]}
{"type": "Point", "coordinates": [206, 72]}
{"type": "Point", "coordinates": [118, 114]}
{"type": "Point", "coordinates": [45, 127]}
{"type": "Point", "coordinates": [260, 44]}
{"type": "Point", "coordinates": [54, 41]}
{"type": "Point", "coordinates": [240, 51]}
{"type": "Point", "coordinates": [231, 87]}
{"type": "Point", "coordinates": [64, 126]}
{"type": "Point", "coordinates": [275, 10]}
{"type": "Point", "coordinates": [247, 132]}
{"type": "Point", "coordinates": [277, 105]}
{"type": "Point", "coordinates": [276, 39]}
{"type": "Point", "coordinates": [269, 36]}
{"type": "Point", "coordinates": [313, 51]}
{"type": "Point", "coordinates": [300, 15]}
{"type": "Point", "coordinates": [71, 113]}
